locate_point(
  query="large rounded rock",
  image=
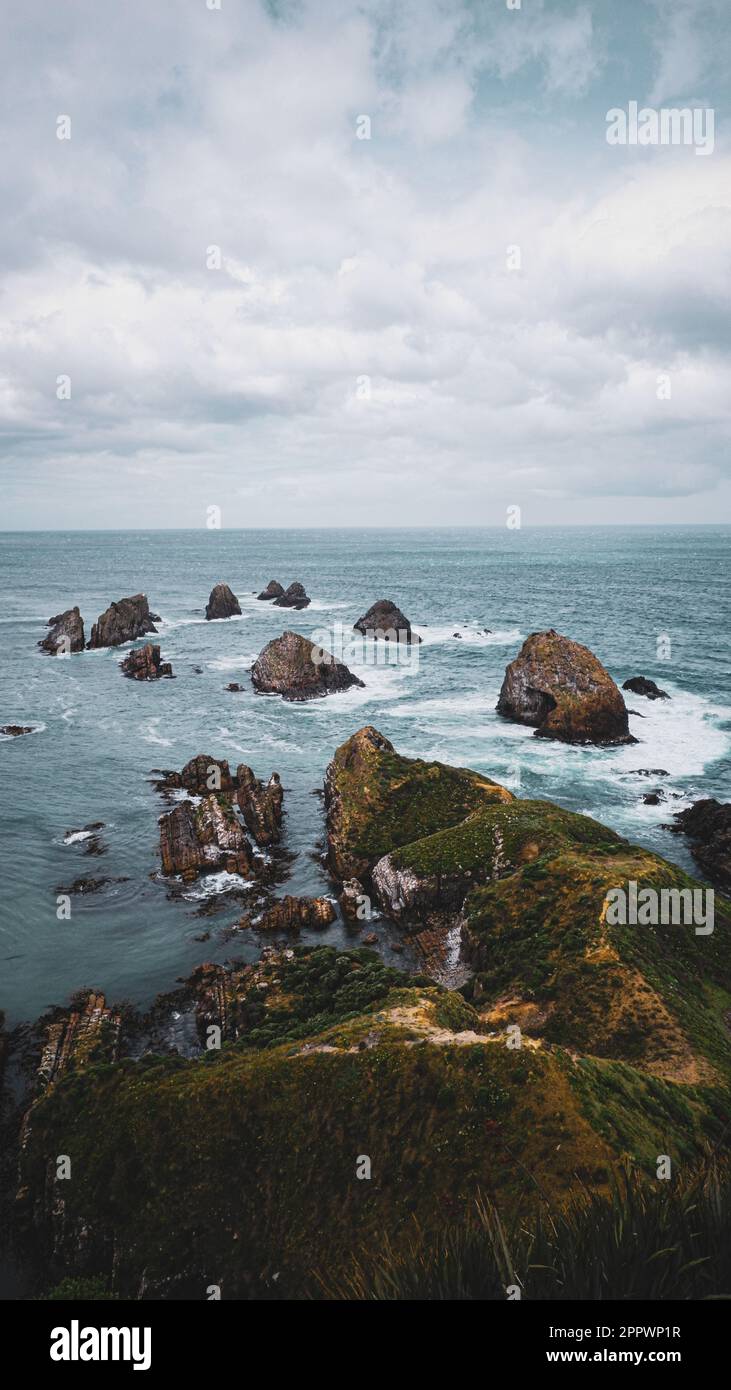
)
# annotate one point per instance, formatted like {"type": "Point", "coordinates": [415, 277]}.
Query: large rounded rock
{"type": "Point", "coordinates": [385, 620]}
{"type": "Point", "coordinates": [66, 635]}
{"type": "Point", "coordinates": [293, 667]}
{"type": "Point", "coordinates": [123, 621]}
{"type": "Point", "coordinates": [222, 603]}
{"type": "Point", "coordinates": [562, 689]}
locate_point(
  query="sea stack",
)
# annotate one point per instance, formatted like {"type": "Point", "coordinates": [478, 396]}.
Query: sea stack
{"type": "Point", "coordinates": [297, 669]}
{"type": "Point", "coordinates": [66, 635]}
{"type": "Point", "coordinates": [384, 620]}
{"type": "Point", "coordinates": [563, 691]}
{"type": "Point", "coordinates": [273, 590]}
{"type": "Point", "coordinates": [222, 603]}
{"type": "Point", "coordinates": [144, 664]}
{"type": "Point", "coordinates": [123, 621]}
{"type": "Point", "coordinates": [293, 597]}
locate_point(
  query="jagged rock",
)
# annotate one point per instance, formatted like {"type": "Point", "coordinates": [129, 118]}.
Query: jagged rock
{"type": "Point", "coordinates": [89, 1033]}
{"type": "Point", "coordinates": [222, 603]}
{"type": "Point", "coordinates": [144, 664]}
{"type": "Point", "coordinates": [66, 635]}
{"type": "Point", "coordinates": [296, 669]}
{"type": "Point", "coordinates": [273, 590]}
{"type": "Point", "coordinates": [640, 685]}
{"type": "Point", "coordinates": [352, 900]}
{"type": "Point", "coordinates": [201, 775]}
{"type": "Point", "coordinates": [653, 798]}
{"type": "Point", "coordinates": [260, 806]}
{"type": "Point", "coordinates": [204, 839]}
{"type": "Point", "coordinates": [123, 621]}
{"type": "Point", "coordinates": [234, 687]}
{"type": "Point", "coordinates": [707, 824]}
{"type": "Point", "coordinates": [652, 772]}
{"type": "Point", "coordinates": [293, 597]}
{"type": "Point", "coordinates": [384, 620]}
{"type": "Point", "coordinates": [15, 730]}
{"type": "Point", "coordinates": [562, 689]}
{"type": "Point", "coordinates": [293, 915]}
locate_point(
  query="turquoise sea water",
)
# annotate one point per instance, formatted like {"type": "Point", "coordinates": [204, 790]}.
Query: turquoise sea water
{"type": "Point", "coordinates": [615, 589]}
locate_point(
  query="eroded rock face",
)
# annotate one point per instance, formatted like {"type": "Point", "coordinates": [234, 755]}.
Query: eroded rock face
{"type": "Point", "coordinates": [66, 635]}
{"type": "Point", "coordinates": [204, 839]}
{"type": "Point", "coordinates": [640, 685]}
{"type": "Point", "coordinates": [260, 805]}
{"type": "Point", "coordinates": [293, 597]}
{"type": "Point", "coordinates": [291, 914]}
{"type": "Point", "coordinates": [707, 824]}
{"type": "Point", "coordinates": [273, 590]}
{"type": "Point", "coordinates": [385, 621]}
{"type": "Point", "coordinates": [123, 621]}
{"type": "Point", "coordinates": [296, 669]}
{"type": "Point", "coordinates": [562, 689]}
{"type": "Point", "coordinates": [88, 1032]}
{"type": "Point", "coordinates": [144, 664]}
{"type": "Point", "coordinates": [222, 603]}
{"type": "Point", "coordinates": [201, 775]}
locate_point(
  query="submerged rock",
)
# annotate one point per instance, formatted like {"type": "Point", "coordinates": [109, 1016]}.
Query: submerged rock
{"type": "Point", "coordinates": [123, 621]}
{"type": "Point", "coordinates": [144, 664]}
{"type": "Point", "coordinates": [222, 603]}
{"type": "Point", "coordinates": [707, 824]}
{"type": "Point", "coordinates": [293, 597]}
{"type": "Point", "coordinates": [560, 688]}
{"type": "Point", "coordinates": [385, 621]}
{"type": "Point", "coordinates": [640, 685]}
{"type": "Point", "coordinates": [260, 806]}
{"type": "Point", "coordinates": [296, 669]}
{"type": "Point", "coordinates": [273, 590]}
{"type": "Point", "coordinates": [66, 635]}
{"type": "Point", "coordinates": [293, 914]}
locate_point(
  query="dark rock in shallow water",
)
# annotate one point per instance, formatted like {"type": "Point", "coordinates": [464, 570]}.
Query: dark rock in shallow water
{"type": "Point", "coordinates": [16, 730]}
{"type": "Point", "coordinates": [83, 886]}
{"type": "Point", "coordinates": [384, 620]}
{"type": "Point", "coordinates": [707, 824]}
{"type": "Point", "coordinates": [293, 914]}
{"type": "Point", "coordinates": [654, 798]}
{"type": "Point", "coordinates": [273, 590]}
{"type": "Point", "coordinates": [260, 806]}
{"type": "Point", "coordinates": [222, 603]}
{"type": "Point", "coordinates": [652, 772]}
{"type": "Point", "coordinates": [293, 597]}
{"type": "Point", "coordinates": [296, 669]}
{"type": "Point", "coordinates": [144, 664]}
{"type": "Point", "coordinates": [66, 635]}
{"type": "Point", "coordinates": [562, 689]}
{"type": "Point", "coordinates": [234, 687]}
{"type": "Point", "coordinates": [123, 621]}
{"type": "Point", "coordinates": [640, 685]}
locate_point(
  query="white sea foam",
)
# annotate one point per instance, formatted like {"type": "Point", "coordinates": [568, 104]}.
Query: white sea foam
{"type": "Point", "coordinates": [471, 634]}
{"type": "Point", "coordinates": [211, 884]}
{"type": "Point", "coordinates": [151, 734]}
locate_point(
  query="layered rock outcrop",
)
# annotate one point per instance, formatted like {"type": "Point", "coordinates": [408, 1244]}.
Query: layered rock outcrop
{"type": "Point", "coordinates": [222, 603]}
{"type": "Point", "coordinates": [562, 690]}
{"type": "Point", "coordinates": [707, 824]}
{"type": "Point", "coordinates": [296, 669]}
{"type": "Point", "coordinates": [123, 621]}
{"type": "Point", "coordinates": [260, 805]}
{"type": "Point", "coordinates": [66, 635]}
{"type": "Point", "coordinates": [290, 914]}
{"type": "Point", "coordinates": [204, 839]}
{"type": "Point", "coordinates": [145, 664]}
{"type": "Point", "coordinates": [385, 621]}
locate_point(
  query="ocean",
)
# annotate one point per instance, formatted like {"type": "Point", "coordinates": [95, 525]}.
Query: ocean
{"type": "Point", "coordinates": [649, 601]}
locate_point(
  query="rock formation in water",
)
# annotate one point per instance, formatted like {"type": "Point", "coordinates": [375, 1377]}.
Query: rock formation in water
{"type": "Point", "coordinates": [640, 685]}
{"type": "Point", "coordinates": [296, 669]}
{"type": "Point", "coordinates": [66, 635]}
{"type": "Point", "coordinates": [144, 664]}
{"type": "Point", "coordinates": [707, 824]}
{"type": "Point", "coordinates": [222, 603]}
{"type": "Point", "coordinates": [291, 914]}
{"type": "Point", "coordinates": [385, 621]}
{"type": "Point", "coordinates": [293, 597]}
{"type": "Point", "coordinates": [260, 805]}
{"type": "Point", "coordinates": [273, 590]}
{"type": "Point", "coordinates": [16, 730]}
{"type": "Point", "coordinates": [204, 839]}
{"type": "Point", "coordinates": [123, 621]}
{"type": "Point", "coordinates": [562, 689]}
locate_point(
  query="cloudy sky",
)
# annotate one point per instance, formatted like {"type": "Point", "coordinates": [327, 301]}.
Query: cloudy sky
{"type": "Point", "coordinates": [368, 350]}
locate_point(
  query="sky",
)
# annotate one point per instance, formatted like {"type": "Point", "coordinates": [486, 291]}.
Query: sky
{"type": "Point", "coordinates": [328, 263]}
